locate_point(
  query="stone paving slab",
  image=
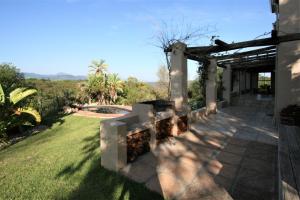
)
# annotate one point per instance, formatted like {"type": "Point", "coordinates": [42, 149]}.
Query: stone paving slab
{"type": "Point", "coordinates": [212, 161]}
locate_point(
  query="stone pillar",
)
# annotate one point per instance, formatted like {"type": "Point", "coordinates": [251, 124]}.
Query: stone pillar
{"type": "Point", "coordinates": [113, 145]}
{"type": "Point", "coordinates": [211, 88]}
{"type": "Point", "coordinates": [287, 73]}
{"type": "Point", "coordinates": [227, 83]}
{"type": "Point", "coordinates": [179, 76]}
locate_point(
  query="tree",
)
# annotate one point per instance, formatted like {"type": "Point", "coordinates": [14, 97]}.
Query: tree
{"type": "Point", "coordinates": [115, 85]}
{"type": "Point", "coordinates": [13, 107]}
{"type": "Point", "coordinates": [10, 77]}
{"type": "Point", "coordinates": [96, 87]}
{"type": "Point", "coordinates": [136, 91]}
{"type": "Point", "coordinates": [98, 66]}
{"type": "Point", "coordinates": [196, 98]}
{"type": "Point", "coordinates": [163, 82]}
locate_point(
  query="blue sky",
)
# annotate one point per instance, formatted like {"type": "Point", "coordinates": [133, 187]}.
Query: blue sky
{"type": "Point", "coordinates": [51, 36]}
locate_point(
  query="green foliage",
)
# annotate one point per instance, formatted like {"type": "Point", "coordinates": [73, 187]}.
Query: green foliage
{"type": "Point", "coordinates": [98, 66]}
{"type": "Point", "coordinates": [136, 91]}
{"type": "Point", "coordinates": [53, 95]}
{"type": "Point", "coordinates": [11, 108]}
{"type": "Point", "coordinates": [107, 88]}
{"type": "Point", "coordinates": [31, 111]}
{"type": "Point", "coordinates": [114, 86]}
{"type": "Point", "coordinates": [196, 99]}
{"type": "Point", "coordinates": [220, 87]}
{"type": "Point", "coordinates": [197, 88]}
{"type": "Point", "coordinates": [20, 93]}
{"type": "Point", "coordinates": [2, 95]}
{"type": "Point", "coordinates": [10, 77]}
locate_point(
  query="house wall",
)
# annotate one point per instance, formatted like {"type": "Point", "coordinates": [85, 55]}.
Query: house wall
{"type": "Point", "coordinates": [287, 81]}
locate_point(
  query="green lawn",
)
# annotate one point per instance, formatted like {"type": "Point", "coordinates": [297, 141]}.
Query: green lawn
{"type": "Point", "coordinates": [63, 162]}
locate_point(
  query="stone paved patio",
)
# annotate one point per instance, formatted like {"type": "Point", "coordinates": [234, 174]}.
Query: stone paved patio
{"type": "Point", "coordinates": [231, 155]}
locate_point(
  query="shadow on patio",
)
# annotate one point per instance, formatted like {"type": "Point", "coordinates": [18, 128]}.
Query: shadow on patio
{"type": "Point", "coordinates": [231, 155]}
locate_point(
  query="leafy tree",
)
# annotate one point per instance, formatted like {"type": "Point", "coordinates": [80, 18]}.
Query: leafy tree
{"type": "Point", "coordinates": [10, 77]}
{"type": "Point", "coordinates": [196, 99]}
{"type": "Point", "coordinates": [13, 108]}
{"type": "Point", "coordinates": [53, 95]}
{"type": "Point", "coordinates": [136, 91]}
{"type": "Point", "coordinates": [162, 88]}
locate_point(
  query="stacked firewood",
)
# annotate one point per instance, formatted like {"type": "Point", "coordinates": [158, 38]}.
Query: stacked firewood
{"type": "Point", "coordinates": [163, 129]}
{"type": "Point", "coordinates": [182, 124]}
{"type": "Point", "coordinates": [137, 144]}
{"type": "Point", "coordinates": [290, 115]}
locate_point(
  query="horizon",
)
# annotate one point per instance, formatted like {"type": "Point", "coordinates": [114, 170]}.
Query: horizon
{"type": "Point", "coordinates": [64, 36]}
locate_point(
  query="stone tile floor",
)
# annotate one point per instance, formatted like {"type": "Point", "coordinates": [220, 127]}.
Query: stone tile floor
{"type": "Point", "coordinates": [230, 155]}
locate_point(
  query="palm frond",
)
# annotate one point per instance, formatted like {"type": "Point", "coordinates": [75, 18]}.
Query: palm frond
{"type": "Point", "coordinates": [34, 113]}
{"type": "Point", "coordinates": [2, 95]}
{"type": "Point", "coordinates": [20, 93]}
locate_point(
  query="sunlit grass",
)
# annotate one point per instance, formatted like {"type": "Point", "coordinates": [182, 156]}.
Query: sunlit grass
{"type": "Point", "coordinates": [63, 162]}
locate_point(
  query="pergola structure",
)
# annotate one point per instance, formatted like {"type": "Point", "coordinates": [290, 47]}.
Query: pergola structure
{"type": "Point", "coordinates": [242, 67]}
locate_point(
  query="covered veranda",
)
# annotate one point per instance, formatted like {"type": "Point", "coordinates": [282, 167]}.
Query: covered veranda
{"type": "Point", "coordinates": [229, 152]}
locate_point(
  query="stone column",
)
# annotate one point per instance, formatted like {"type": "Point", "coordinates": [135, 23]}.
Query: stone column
{"type": "Point", "coordinates": [113, 145]}
{"type": "Point", "coordinates": [179, 76]}
{"type": "Point", "coordinates": [287, 74]}
{"type": "Point", "coordinates": [211, 88]}
{"type": "Point", "coordinates": [227, 83]}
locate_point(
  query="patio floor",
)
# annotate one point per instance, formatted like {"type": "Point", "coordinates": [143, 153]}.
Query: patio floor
{"type": "Point", "coordinates": [231, 155]}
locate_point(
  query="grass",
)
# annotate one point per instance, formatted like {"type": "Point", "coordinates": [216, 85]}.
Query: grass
{"type": "Point", "coordinates": [63, 162]}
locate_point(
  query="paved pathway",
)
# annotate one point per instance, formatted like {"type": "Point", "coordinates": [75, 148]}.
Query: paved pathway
{"type": "Point", "coordinates": [231, 155]}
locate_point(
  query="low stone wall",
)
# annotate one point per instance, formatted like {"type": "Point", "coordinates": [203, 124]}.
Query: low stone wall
{"type": "Point", "coordinates": [198, 114]}
{"type": "Point", "coordinates": [126, 138]}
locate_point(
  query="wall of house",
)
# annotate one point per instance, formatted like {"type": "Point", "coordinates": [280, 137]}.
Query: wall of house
{"type": "Point", "coordinates": [287, 81]}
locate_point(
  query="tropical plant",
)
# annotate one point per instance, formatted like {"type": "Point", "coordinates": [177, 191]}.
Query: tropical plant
{"type": "Point", "coordinates": [98, 66]}
{"type": "Point", "coordinates": [115, 85]}
{"type": "Point", "coordinates": [14, 106]}
{"type": "Point", "coordinates": [96, 87]}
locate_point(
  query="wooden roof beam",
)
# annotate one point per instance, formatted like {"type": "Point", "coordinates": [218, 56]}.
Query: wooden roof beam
{"type": "Point", "coordinates": [221, 43]}
{"type": "Point", "coordinates": [252, 43]}
{"type": "Point", "coordinates": [265, 50]}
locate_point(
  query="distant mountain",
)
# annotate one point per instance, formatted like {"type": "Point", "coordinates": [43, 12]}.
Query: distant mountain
{"type": "Point", "coordinates": [58, 76]}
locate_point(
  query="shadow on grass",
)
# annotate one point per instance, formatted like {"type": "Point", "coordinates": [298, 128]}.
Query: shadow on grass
{"type": "Point", "coordinates": [15, 137]}
{"type": "Point", "coordinates": [100, 183]}
{"type": "Point", "coordinates": [53, 119]}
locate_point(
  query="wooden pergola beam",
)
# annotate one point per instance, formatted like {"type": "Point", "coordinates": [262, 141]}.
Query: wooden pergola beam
{"type": "Point", "coordinates": [197, 58]}
{"type": "Point", "coordinates": [266, 50]}
{"type": "Point", "coordinates": [221, 43]}
{"type": "Point", "coordinates": [258, 63]}
{"type": "Point", "coordinates": [248, 59]}
{"type": "Point", "coordinates": [252, 43]}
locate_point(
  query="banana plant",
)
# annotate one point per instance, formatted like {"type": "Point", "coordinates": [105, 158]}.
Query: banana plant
{"type": "Point", "coordinates": [2, 95]}
{"type": "Point", "coordinates": [16, 96]}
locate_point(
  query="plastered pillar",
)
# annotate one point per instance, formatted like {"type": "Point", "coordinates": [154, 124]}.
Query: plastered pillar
{"type": "Point", "coordinates": [211, 87]}
{"type": "Point", "coordinates": [227, 83]}
{"type": "Point", "coordinates": [179, 76]}
{"type": "Point", "coordinates": [287, 81]}
{"type": "Point", "coordinates": [113, 145]}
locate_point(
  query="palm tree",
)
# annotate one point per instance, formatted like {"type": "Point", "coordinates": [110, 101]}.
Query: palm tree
{"type": "Point", "coordinates": [98, 66]}
{"type": "Point", "coordinates": [96, 86]}
{"type": "Point", "coordinates": [14, 106]}
{"type": "Point", "coordinates": [115, 85]}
